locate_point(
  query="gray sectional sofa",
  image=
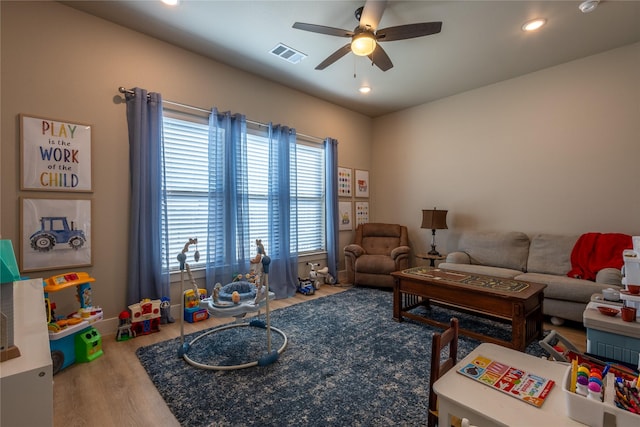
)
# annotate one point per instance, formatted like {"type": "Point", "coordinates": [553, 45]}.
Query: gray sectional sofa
{"type": "Point", "coordinates": [543, 258]}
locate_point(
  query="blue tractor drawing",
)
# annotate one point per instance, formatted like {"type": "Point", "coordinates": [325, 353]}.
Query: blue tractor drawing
{"type": "Point", "coordinates": [54, 230]}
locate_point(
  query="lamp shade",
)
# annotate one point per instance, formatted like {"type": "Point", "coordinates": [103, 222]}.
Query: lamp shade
{"type": "Point", "coordinates": [363, 44]}
{"type": "Point", "coordinates": [434, 219]}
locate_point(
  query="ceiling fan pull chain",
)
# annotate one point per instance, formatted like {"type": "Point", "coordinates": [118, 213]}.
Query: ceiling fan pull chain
{"type": "Point", "coordinates": [354, 67]}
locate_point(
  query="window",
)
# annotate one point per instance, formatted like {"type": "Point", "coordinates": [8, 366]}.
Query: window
{"type": "Point", "coordinates": [186, 164]}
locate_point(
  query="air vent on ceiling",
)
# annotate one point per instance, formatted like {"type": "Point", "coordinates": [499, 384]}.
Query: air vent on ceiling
{"type": "Point", "coordinates": [287, 53]}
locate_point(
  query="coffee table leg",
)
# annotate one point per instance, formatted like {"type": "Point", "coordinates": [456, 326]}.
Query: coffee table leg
{"type": "Point", "coordinates": [518, 328]}
{"type": "Point", "coordinates": [397, 301]}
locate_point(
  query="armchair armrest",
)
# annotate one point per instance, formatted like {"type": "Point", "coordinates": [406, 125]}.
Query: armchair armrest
{"type": "Point", "coordinates": [399, 251]}
{"type": "Point", "coordinates": [354, 250]}
{"type": "Point", "coordinates": [458, 258]}
{"type": "Point", "coordinates": [351, 253]}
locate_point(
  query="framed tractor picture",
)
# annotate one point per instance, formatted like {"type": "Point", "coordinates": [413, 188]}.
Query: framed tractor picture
{"type": "Point", "coordinates": [56, 233]}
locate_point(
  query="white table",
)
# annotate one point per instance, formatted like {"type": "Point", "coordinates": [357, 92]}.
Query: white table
{"type": "Point", "coordinates": [483, 406]}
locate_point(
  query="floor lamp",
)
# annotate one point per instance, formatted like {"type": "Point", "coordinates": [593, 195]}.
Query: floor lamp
{"type": "Point", "coordinates": [434, 219]}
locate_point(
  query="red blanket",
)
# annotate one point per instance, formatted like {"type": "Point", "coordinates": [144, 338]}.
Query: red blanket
{"type": "Point", "coordinates": [595, 251]}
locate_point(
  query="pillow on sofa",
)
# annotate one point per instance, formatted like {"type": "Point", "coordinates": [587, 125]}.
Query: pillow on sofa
{"type": "Point", "coordinates": [497, 249]}
{"type": "Point", "coordinates": [551, 254]}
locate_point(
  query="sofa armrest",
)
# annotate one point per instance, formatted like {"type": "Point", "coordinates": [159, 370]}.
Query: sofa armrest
{"type": "Point", "coordinates": [458, 258]}
{"type": "Point", "coordinates": [399, 251]}
{"type": "Point", "coordinates": [609, 276]}
{"type": "Point", "coordinates": [354, 250]}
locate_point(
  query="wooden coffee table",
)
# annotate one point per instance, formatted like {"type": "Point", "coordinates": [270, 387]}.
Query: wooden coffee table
{"type": "Point", "coordinates": [505, 299]}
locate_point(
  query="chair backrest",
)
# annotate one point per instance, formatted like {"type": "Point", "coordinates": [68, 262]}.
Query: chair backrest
{"type": "Point", "coordinates": [381, 239]}
{"type": "Point", "coordinates": [439, 366]}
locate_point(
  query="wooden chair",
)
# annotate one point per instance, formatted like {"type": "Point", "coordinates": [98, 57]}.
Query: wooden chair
{"type": "Point", "coordinates": [439, 367]}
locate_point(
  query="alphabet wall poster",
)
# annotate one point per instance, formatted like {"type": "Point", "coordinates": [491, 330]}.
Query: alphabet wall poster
{"type": "Point", "coordinates": [56, 155]}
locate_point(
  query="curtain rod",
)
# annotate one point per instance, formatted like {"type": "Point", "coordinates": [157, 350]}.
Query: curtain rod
{"type": "Point", "coordinates": [124, 90]}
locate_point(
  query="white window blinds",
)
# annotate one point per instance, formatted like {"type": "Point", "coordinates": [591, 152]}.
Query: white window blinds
{"type": "Point", "coordinates": [186, 173]}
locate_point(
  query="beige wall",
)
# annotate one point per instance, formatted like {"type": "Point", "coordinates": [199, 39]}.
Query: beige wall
{"type": "Point", "coordinates": [63, 64]}
{"type": "Point", "coordinates": [553, 151]}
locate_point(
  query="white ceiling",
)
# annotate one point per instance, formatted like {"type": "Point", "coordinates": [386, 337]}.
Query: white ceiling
{"type": "Point", "coordinates": [481, 42]}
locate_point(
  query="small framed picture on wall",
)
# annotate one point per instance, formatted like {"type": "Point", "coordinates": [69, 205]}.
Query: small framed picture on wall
{"type": "Point", "coordinates": [362, 183]}
{"type": "Point", "coordinates": [362, 213]}
{"type": "Point", "coordinates": [346, 216]}
{"type": "Point", "coordinates": [345, 182]}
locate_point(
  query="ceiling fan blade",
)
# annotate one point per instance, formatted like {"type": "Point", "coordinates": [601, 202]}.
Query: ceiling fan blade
{"type": "Point", "coordinates": [380, 58]}
{"type": "Point", "coordinates": [409, 31]}
{"type": "Point", "coordinates": [372, 13]}
{"type": "Point", "coordinates": [331, 31]}
{"type": "Point", "coordinates": [334, 56]}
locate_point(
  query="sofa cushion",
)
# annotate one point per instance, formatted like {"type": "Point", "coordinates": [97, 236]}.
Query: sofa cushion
{"type": "Point", "coordinates": [504, 273]}
{"type": "Point", "coordinates": [375, 264]}
{"type": "Point", "coordinates": [551, 253]}
{"type": "Point", "coordinates": [565, 288]}
{"type": "Point", "coordinates": [499, 249]}
{"type": "Point", "coordinates": [381, 239]}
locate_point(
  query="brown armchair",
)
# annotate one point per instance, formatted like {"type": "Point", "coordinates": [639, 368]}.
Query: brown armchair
{"type": "Point", "coordinates": [377, 250]}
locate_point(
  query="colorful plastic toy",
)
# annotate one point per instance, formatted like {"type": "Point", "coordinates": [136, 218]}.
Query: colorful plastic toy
{"type": "Point", "coordinates": [235, 299]}
{"type": "Point", "coordinates": [192, 311]}
{"type": "Point", "coordinates": [63, 330]}
{"type": "Point", "coordinates": [319, 276]}
{"type": "Point", "coordinates": [145, 317]}
{"type": "Point", "coordinates": [124, 328]}
{"type": "Point", "coordinates": [88, 345]}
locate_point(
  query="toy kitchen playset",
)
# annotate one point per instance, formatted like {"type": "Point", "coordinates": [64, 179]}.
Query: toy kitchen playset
{"type": "Point", "coordinates": [72, 338]}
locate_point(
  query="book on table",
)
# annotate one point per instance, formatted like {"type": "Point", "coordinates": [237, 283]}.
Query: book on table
{"type": "Point", "coordinates": [522, 385]}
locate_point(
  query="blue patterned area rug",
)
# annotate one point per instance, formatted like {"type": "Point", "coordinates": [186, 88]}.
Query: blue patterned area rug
{"type": "Point", "coordinates": [347, 363]}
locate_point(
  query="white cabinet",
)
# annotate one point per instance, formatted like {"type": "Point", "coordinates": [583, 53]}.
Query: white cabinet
{"type": "Point", "coordinates": [26, 382]}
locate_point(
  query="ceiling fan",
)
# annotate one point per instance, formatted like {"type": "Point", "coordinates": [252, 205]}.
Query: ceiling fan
{"type": "Point", "coordinates": [365, 38]}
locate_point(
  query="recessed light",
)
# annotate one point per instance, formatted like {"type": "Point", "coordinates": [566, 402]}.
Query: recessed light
{"type": "Point", "coordinates": [364, 89]}
{"type": "Point", "coordinates": [171, 2]}
{"type": "Point", "coordinates": [534, 24]}
{"type": "Point", "coordinates": [588, 6]}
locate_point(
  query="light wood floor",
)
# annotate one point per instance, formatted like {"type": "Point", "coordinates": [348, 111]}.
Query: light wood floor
{"type": "Point", "coordinates": [114, 390]}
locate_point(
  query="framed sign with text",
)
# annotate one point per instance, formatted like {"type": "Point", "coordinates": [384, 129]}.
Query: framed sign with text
{"type": "Point", "coordinates": [55, 155]}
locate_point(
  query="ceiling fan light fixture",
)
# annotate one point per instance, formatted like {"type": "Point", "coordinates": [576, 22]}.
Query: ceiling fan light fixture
{"type": "Point", "coordinates": [533, 24]}
{"type": "Point", "coordinates": [363, 44]}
